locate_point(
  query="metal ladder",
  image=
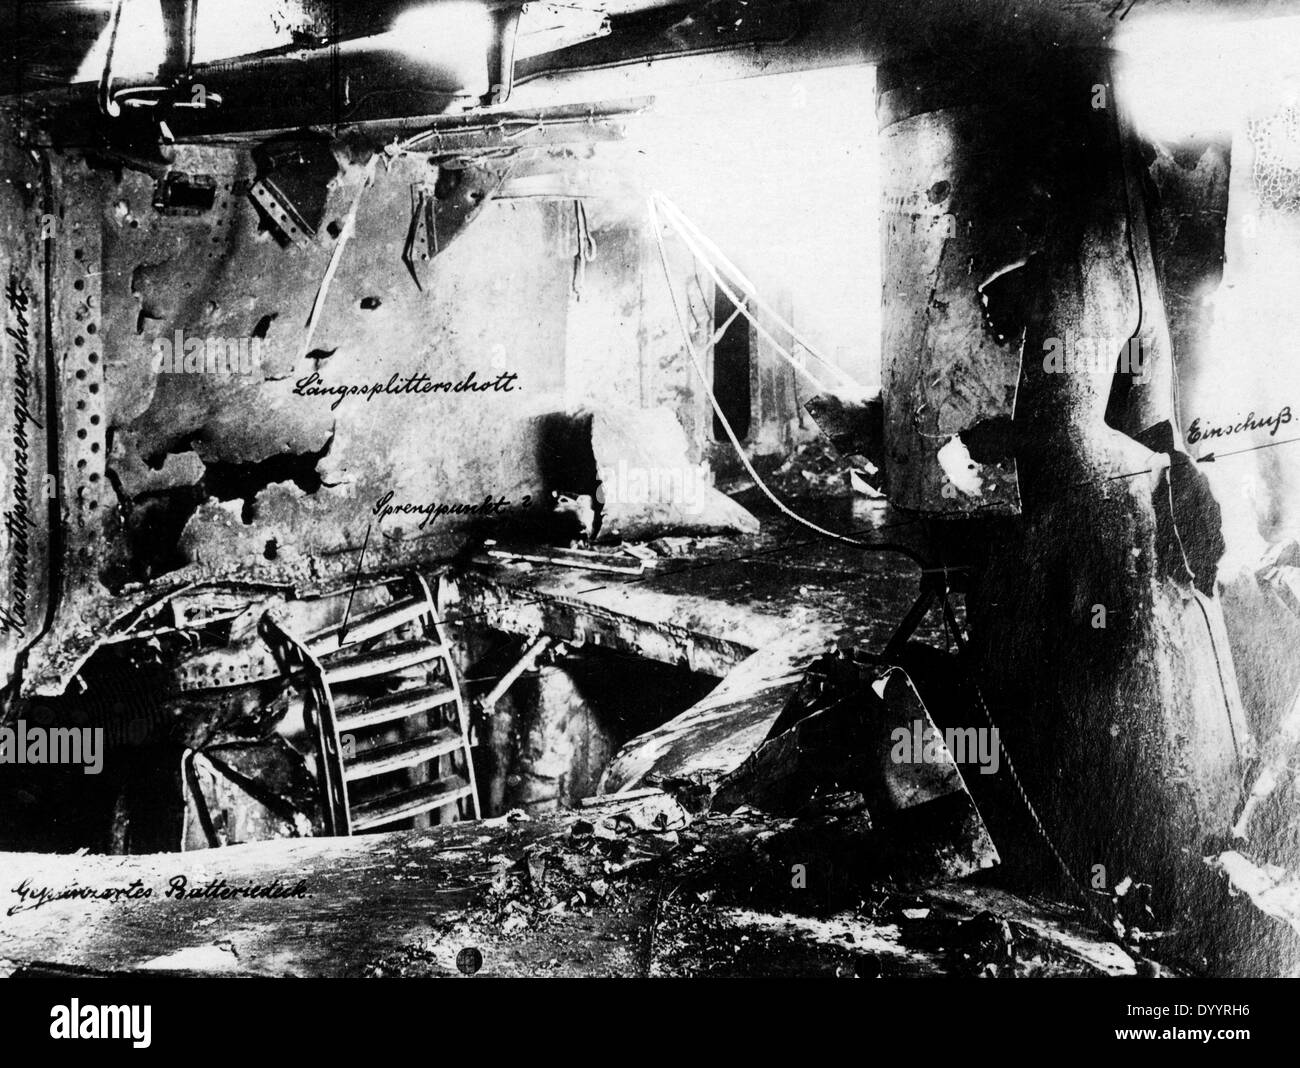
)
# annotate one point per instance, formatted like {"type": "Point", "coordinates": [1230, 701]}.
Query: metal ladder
{"type": "Point", "coordinates": [359, 766]}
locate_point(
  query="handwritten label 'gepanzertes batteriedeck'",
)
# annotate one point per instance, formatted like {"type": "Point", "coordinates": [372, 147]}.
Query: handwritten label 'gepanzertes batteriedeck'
{"type": "Point", "coordinates": [397, 386]}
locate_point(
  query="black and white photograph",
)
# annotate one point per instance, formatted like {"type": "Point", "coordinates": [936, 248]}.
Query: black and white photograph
{"type": "Point", "coordinates": [651, 489]}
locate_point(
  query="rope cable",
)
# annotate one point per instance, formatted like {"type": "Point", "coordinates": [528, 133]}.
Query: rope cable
{"type": "Point", "coordinates": [726, 425]}
{"type": "Point", "coordinates": [731, 294]}
{"type": "Point", "coordinates": [704, 248]}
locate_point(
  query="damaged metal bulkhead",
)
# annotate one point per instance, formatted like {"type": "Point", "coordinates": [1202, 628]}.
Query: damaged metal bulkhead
{"type": "Point", "coordinates": [857, 740]}
{"type": "Point", "coordinates": [185, 302]}
{"type": "Point", "coordinates": [284, 402]}
{"type": "Point", "coordinates": [1132, 747]}
{"type": "Point", "coordinates": [965, 191]}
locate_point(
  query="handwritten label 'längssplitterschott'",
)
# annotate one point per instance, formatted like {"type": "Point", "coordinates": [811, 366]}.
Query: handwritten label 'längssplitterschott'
{"type": "Point", "coordinates": [313, 385]}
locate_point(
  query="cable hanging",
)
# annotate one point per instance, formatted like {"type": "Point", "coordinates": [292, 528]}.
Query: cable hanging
{"type": "Point", "coordinates": [710, 255]}
{"type": "Point", "coordinates": [726, 425]}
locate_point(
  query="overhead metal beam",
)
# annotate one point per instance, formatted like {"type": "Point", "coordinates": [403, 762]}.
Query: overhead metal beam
{"type": "Point", "coordinates": [652, 46]}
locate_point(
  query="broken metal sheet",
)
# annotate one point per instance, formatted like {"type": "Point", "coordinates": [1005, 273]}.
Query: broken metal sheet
{"type": "Point", "coordinates": [641, 624]}
{"type": "Point", "coordinates": [54, 661]}
{"type": "Point", "coordinates": [225, 668]}
{"type": "Point", "coordinates": [241, 656]}
{"type": "Point", "coordinates": [710, 610]}
{"type": "Point", "coordinates": [714, 736]}
{"type": "Point", "coordinates": [247, 286]}
{"type": "Point", "coordinates": [137, 478]}
{"type": "Point", "coordinates": [443, 208]}
{"type": "Point", "coordinates": [853, 428]}
{"type": "Point", "coordinates": [921, 808]}
{"type": "Point", "coordinates": [461, 193]}
{"type": "Point", "coordinates": [208, 608]}
{"type": "Point", "coordinates": [292, 186]}
{"type": "Point", "coordinates": [246, 793]}
{"type": "Point", "coordinates": [289, 497]}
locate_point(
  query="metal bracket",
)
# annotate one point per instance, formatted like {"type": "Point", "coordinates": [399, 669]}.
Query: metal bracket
{"type": "Point", "coordinates": [440, 212]}
{"type": "Point", "coordinates": [422, 235]}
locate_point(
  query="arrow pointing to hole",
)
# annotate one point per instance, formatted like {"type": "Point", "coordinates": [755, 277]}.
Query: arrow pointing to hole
{"type": "Point", "coordinates": [1210, 457]}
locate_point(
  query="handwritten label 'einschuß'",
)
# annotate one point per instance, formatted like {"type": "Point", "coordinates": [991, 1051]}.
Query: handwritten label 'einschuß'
{"type": "Point", "coordinates": [1198, 431]}
{"type": "Point", "coordinates": [397, 386]}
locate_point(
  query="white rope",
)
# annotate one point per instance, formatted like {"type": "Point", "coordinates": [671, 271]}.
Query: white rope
{"type": "Point", "coordinates": [717, 408]}
{"type": "Point", "coordinates": [739, 303]}
{"type": "Point", "coordinates": [709, 254]}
